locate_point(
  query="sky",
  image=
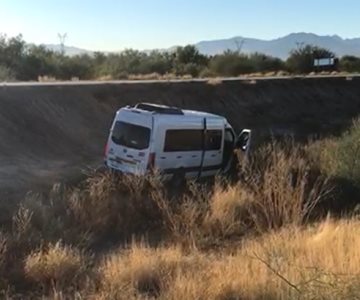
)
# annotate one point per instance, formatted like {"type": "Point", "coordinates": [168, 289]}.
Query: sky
{"type": "Point", "coordinates": [112, 25]}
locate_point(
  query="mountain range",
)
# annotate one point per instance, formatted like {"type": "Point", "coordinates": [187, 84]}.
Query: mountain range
{"type": "Point", "coordinates": [279, 47]}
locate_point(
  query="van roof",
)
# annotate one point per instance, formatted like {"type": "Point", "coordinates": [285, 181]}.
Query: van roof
{"type": "Point", "coordinates": [150, 108]}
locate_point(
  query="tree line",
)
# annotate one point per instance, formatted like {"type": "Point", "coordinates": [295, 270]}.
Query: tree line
{"type": "Point", "coordinates": [22, 61]}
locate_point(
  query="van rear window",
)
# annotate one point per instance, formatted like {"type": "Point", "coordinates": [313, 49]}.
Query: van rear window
{"type": "Point", "coordinates": [131, 135]}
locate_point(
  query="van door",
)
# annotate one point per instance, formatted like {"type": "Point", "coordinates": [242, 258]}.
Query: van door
{"type": "Point", "coordinates": [129, 144]}
{"type": "Point", "coordinates": [180, 149]}
{"type": "Point", "coordinates": [228, 151]}
{"type": "Point", "coordinates": [214, 140]}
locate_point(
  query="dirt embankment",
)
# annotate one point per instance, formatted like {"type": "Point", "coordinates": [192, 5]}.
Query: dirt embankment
{"type": "Point", "coordinates": [49, 132]}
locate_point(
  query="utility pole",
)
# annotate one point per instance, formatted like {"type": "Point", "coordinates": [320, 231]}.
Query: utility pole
{"type": "Point", "coordinates": [299, 45]}
{"type": "Point", "coordinates": [239, 45]}
{"type": "Point", "coordinates": [62, 38]}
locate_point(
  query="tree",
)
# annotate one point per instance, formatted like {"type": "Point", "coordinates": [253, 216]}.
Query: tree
{"type": "Point", "coordinates": [301, 60]}
{"type": "Point", "coordinates": [12, 53]}
{"type": "Point", "coordinates": [37, 61]}
{"type": "Point", "coordinates": [188, 60]}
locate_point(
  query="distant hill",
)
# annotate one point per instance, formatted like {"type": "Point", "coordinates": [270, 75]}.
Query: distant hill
{"type": "Point", "coordinates": [282, 46]}
{"type": "Point", "coordinates": [69, 50]}
{"type": "Point", "coordinates": [279, 47]}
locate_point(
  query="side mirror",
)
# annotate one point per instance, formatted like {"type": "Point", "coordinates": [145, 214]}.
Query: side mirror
{"type": "Point", "coordinates": [244, 139]}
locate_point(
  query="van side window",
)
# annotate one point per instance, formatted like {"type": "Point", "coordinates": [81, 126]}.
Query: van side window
{"type": "Point", "coordinates": [183, 140]}
{"type": "Point", "coordinates": [229, 136]}
{"type": "Point", "coordinates": [191, 140]}
{"type": "Point", "coordinates": [213, 139]}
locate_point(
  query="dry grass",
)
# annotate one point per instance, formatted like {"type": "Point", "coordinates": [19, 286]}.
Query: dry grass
{"type": "Point", "coordinates": [186, 77]}
{"type": "Point", "coordinates": [55, 265]}
{"type": "Point", "coordinates": [285, 187]}
{"type": "Point", "coordinates": [252, 239]}
{"type": "Point", "coordinates": [105, 78]}
{"type": "Point", "coordinates": [274, 268]}
{"type": "Point", "coordinates": [282, 73]}
{"type": "Point", "coordinates": [140, 270]}
{"type": "Point", "coordinates": [228, 214]}
{"type": "Point", "coordinates": [3, 258]}
{"type": "Point", "coordinates": [278, 189]}
{"type": "Point", "coordinates": [157, 76]}
{"type": "Point", "coordinates": [88, 213]}
{"type": "Point", "coordinates": [96, 205]}
{"type": "Point", "coordinates": [46, 78]}
{"type": "Point", "coordinates": [269, 267]}
{"type": "Point", "coordinates": [214, 81]}
{"type": "Point", "coordinates": [151, 76]}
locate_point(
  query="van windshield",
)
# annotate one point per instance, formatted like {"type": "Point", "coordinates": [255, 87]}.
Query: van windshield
{"type": "Point", "coordinates": [130, 135]}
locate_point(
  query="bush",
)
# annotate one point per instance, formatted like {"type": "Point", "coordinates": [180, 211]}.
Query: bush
{"type": "Point", "coordinates": [6, 74]}
{"type": "Point", "coordinates": [338, 157]}
{"type": "Point", "coordinates": [350, 64]}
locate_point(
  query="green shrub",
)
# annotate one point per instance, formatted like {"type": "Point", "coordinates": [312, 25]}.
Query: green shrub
{"type": "Point", "coordinates": [340, 157]}
{"type": "Point", "coordinates": [6, 74]}
{"type": "Point", "coordinates": [349, 63]}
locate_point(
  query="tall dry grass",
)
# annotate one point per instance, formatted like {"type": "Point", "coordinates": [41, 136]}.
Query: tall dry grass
{"type": "Point", "coordinates": [320, 262]}
{"type": "Point", "coordinates": [56, 266]}
{"type": "Point", "coordinates": [139, 270]}
{"type": "Point", "coordinates": [279, 188]}
{"type": "Point", "coordinates": [102, 206]}
{"type": "Point", "coordinates": [286, 186]}
{"type": "Point", "coordinates": [251, 239]}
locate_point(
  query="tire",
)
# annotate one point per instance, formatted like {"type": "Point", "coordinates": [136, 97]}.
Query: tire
{"type": "Point", "coordinates": [178, 179]}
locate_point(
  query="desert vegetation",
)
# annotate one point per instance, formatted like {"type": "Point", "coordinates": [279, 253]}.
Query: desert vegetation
{"type": "Point", "coordinates": [281, 229]}
{"type": "Point", "coordinates": [24, 62]}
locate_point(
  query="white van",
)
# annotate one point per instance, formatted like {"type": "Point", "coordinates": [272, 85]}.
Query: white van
{"type": "Point", "coordinates": [178, 143]}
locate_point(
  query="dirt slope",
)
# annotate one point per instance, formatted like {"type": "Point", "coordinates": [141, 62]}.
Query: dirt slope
{"type": "Point", "coordinates": [51, 132]}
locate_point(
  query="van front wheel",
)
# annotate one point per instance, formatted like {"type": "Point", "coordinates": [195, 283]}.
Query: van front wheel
{"type": "Point", "coordinates": [178, 179]}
